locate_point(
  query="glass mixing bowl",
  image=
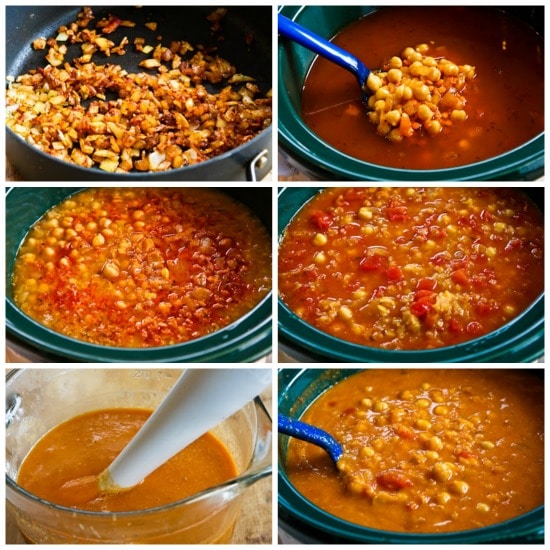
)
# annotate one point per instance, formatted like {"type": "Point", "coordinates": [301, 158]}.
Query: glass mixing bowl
{"type": "Point", "coordinates": [39, 399]}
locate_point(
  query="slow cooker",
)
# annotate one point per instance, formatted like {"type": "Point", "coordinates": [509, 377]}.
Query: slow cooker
{"type": "Point", "coordinates": [300, 521]}
{"type": "Point", "coordinates": [316, 159]}
{"type": "Point", "coordinates": [520, 340]}
{"type": "Point", "coordinates": [246, 340]}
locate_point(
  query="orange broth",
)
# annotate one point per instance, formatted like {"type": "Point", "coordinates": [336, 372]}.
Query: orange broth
{"type": "Point", "coordinates": [87, 444]}
{"type": "Point", "coordinates": [504, 103]}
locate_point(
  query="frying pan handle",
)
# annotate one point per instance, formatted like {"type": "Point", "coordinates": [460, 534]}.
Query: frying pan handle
{"type": "Point", "coordinates": [257, 163]}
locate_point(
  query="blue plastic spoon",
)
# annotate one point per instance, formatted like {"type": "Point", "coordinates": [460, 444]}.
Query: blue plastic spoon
{"type": "Point", "coordinates": [311, 434]}
{"type": "Point", "coordinates": [295, 32]}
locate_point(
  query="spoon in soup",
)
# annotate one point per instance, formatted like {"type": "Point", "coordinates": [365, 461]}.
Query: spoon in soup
{"type": "Point", "coordinates": [311, 434]}
{"type": "Point", "coordinates": [295, 32]}
{"type": "Point", "coordinates": [199, 400]}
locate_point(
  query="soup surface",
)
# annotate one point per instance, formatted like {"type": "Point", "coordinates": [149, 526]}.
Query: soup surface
{"type": "Point", "coordinates": [426, 450]}
{"type": "Point", "coordinates": [86, 445]}
{"type": "Point", "coordinates": [412, 268]}
{"type": "Point", "coordinates": [142, 267]}
{"type": "Point", "coordinates": [504, 103]}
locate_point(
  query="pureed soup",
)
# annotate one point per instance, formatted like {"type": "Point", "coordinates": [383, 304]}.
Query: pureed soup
{"type": "Point", "coordinates": [87, 444]}
{"type": "Point", "coordinates": [143, 267]}
{"type": "Point", "coordinates": [504, 103]}
{"type": "Point", "coordinates": [412, 268]}
{"type": "Point", "coordinates": [426, 451]}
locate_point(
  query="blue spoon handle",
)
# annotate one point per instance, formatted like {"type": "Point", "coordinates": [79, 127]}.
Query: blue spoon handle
{"type": "Point", "coordinates": [311, 434]}
{"type": "Point", "coordinates": [324, 48]}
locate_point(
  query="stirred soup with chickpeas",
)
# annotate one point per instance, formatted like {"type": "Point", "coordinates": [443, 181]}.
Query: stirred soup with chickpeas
{"type": "Point", "coordinates": [412, 268]}
{"type": "Point", "coordinates": [143, 267]}
{"type": "Point", "coordinates": [426, 451]}
{"type": "Point", "coordinates": [450, 86]}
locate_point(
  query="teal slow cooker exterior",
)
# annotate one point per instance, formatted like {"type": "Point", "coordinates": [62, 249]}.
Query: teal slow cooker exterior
{"type": "Point", "coordinates": [246, 340]}
{"type": "Point", "coordinates": [300, 521]}
{"type": "Point", "coordinates": [316, 158]}
{"type": "Point", "coordinates": [521, 340]}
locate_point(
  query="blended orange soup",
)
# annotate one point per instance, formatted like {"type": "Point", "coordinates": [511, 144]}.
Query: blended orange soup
{"type": "Point", "coordinates": [87, 444]}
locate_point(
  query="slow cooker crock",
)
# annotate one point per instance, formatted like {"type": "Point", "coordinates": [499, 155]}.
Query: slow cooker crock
{"type": "Point", "coordinates": [316, 158]}
{"type": "Point", "coordinates": [300, 521]}
{"type": "Point", "coordinates": [246, 340]}
{"type": "Point", "coordinates": [521, 340]}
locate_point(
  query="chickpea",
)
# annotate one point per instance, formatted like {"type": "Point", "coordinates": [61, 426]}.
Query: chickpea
{"type": "Point", "coordinates": [460, 487]}
{"type": "Point", "coordinates": [424, 112]}
{"type": "Point", "coordinates": [435, 443]}
{"type": "Point", "coordinates": [381, 406]}
{"type": "Point", "coordinates": [110, 270]}
{"type": "Point", "coordinates": [98, 240]}
{"type": "Point", "coordinates": [421, 91]}
{"type": "Point", "coordinates": [443, 471]}
{"type": "Point", "coordinates": [395, 76]}
{"type": "Point", "coordinates": [320, 239]}
{"type": "Point", "coordinates": [393, 117]}
{"type": "Point", "coordinates": [443, 498]}
{"type": "Point", "coordinates": [396, 62]}
{"type": "Point", "coordinates": [345, 313]}
{"type": "Point", "coordinates": [458, 115]}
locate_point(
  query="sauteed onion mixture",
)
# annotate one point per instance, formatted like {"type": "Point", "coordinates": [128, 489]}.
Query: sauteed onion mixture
{"type": "Point", "coordinates": [161, 118]}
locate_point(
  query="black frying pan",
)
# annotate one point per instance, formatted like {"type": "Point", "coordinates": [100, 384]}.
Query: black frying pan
{"type": "Point", "coordinates": [254, 58]}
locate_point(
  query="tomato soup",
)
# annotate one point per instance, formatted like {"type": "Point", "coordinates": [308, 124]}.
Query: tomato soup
{"type": "Point", "coordinates": [86, 445]}
{"type": "Point", "coordinates": [427, 451]}
{"type": "Point", "coordinates": [504, 103]}
{"type": "Point", "coordinates": [143, 267]}
{"type": "Point", "coordinates": [412, 268]}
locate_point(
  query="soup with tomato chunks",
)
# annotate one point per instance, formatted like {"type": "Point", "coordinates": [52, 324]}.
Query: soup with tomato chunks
{"type": "Point", "coordinates": [143, 267]}
{"type": "Point", "coordinates": [87, 444]}
{"type": "Point", "coordinates": [412, 268]}
{"type": "Point", "coordinates": [499, 109]}
{"type": "Point", "coordinates": [426, 451]}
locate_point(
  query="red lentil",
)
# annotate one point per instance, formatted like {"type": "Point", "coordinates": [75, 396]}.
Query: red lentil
{"type": "Point", "coordinates": [412, 268]}
{"type": "Point", "coordinates": [407, 467]}
{"type": "Point", "coordinates": [142, 267]}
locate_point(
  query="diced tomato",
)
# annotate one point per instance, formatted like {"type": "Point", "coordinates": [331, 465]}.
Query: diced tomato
{"type": "Point", "coordinates": [441, 258]}
{"type": "Point", "coordinates": [419, 294]}
{"type": "Point", "coordinates": [465, 453]}
{"type": "Point", "coordinates": [513, 244]}
{"type": "Point", "coordinates": [321, 220]}
{"type": "Point", "coordinates": [426, 283]}
{"type": "Point", "coordinates": [422, 306]}
{"type": "Point", "coordinates": [455, 326]}
{"type": "Point", "coordinates": [437, 232]}
{"type": "Point", "coordinates": [393, 480]}
{"type": "Point", "coordinates": [397, 213]}
{"type": "Point", "coordinates": [460, 276]}
{"type": "Point", "coordinates": [484, 307]}
{"type": "Point", "coordinates": [474, 328]}
{"type": "Point", "coordinates": [486, 216]}
{"type": "Point", "coordinates": [404, 432]}
{"type": "Point", "coordinates": [372, 262]}
{"type": "Point", "coordinates": [394, 273]}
